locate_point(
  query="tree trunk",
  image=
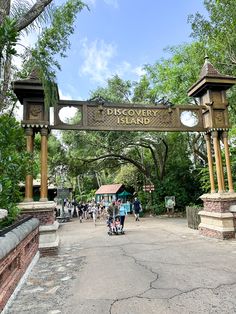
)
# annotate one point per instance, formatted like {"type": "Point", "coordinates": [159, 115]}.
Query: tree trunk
{"type": "Point", "coordinates": [32, 14]}
{"type": "Point", "coordinates": [6, 82]}
{"type": "Point", "coordinates": [24, 21]}
{"type": "Point", "coordinates": [4, 9]}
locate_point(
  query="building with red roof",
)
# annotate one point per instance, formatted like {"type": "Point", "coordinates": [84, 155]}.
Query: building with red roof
{"type": "Point", "coordinates": [109, 192]}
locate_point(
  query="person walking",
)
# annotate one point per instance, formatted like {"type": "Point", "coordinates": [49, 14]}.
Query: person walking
{"type": "Point", "coordinates": [137, 208]}
{"type": "Point", "coordinates": [80, 212]}
{"type": "Point", "coordinates": [123, 213]}
{"type": "Point", "coordinates": [94, 213]}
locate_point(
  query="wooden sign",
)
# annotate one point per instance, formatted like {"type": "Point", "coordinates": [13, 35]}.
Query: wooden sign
{"type": "Point", "coordinates": [63, 193]}
{"type": "Point", "coordinates": [148, 188]}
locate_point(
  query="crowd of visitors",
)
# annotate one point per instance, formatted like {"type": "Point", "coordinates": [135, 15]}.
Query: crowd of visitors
{"type": "Point", "coordinates": [82, 210]}
{"type": "Point", "coordinates": [94, 210]}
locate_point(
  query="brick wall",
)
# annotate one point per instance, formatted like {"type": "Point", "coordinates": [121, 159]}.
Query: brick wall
{"type": "Point", "coordinates": [216, 234]}
{"type": "Point", "coordinates": [17, 249]}
{"type": "Point", "coordinates": [45, 217]}
{"type": "Point", "coordinates": [216, 205]}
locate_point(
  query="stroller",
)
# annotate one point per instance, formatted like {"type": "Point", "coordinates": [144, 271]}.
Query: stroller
{"type": "Point", "coordinates": [114, 225]}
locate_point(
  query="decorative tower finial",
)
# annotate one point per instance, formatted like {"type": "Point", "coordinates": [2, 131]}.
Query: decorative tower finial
{"type": "Point", "coordinates": [208, 69]}
{"type": "Point", "coordinates": [206, 58]}
{"type": "Point", "coordinates": [210, 78]}
{"type": "Point", "coordinates": [34, 75]}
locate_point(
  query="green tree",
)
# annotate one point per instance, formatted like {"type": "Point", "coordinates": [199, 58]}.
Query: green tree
{"type": "Point", "coordinates": [216, 31]}
{"type": "Point", "coordinates": [169, 79]}
{"type": "Point", "coordinates": [14, 164]}
{"type": "Point", "coordinates": [56, 26]}
{"type": "Point", "coordinates": [52, 42]}
{"type": "Point", "coordinates": [173, 76]}
{"type": "Point", "coordinates": [136, 158]}
{"type": "Point", "coordinates": [117, 90]}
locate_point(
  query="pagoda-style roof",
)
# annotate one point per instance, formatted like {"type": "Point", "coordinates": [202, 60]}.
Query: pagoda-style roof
{"type": "Point", "coordinates": [210, 78]}
{"type": "Point", "coordinates": [31, 87]}
{"type": "Point", "coordinates": [109, 189]}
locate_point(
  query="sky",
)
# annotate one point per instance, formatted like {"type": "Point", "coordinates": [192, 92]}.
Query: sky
{"type": "Point", "coordinates": [119, 37]}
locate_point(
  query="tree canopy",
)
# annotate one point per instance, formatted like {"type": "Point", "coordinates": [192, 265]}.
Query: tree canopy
{"type": "Point", "coordinates": [53, 41]}
{"type": "Point", "coordinates": [173, 162]}
{"type": "Point", "coordinates": [56, 25]}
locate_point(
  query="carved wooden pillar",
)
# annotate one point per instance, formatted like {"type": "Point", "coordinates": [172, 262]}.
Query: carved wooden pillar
{"type": "Point", "coordinates": [29, 177]}
{"type": "Point", "coordinates": [219, 170]}
{"type": "Point", "coordinates": [221, 164]}
{"type": "Point", "coordinates": [227, 161]}
{"type": "Point", "coordinates": [44, 165]}
{"type": "Point", "coordinates": [210, 162]}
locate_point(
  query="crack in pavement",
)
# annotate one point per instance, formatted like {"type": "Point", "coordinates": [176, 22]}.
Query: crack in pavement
{"type": "Point", "coordinates": [136, 261]}
{"type": "Point", "coordinates": [201, 288]}
{"type": "Point", "coordinates": [179, 292]}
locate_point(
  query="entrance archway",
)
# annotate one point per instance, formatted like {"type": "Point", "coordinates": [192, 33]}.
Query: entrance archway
{"type": "Point", "coordinates": [210, 116]}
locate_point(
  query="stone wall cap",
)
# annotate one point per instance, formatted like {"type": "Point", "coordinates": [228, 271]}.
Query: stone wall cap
{"type": "Point", "coordinates": [215, 214]}
{"type": "Point", "coordinates": [219, 196]}
{"type": "Point", "coordinates": [3, 213]}
{"type": "Point", "coordinates": [37, 205]}
{"type": "Point", "coordinates": [51, 227]}
{"type": "Point", "coordinates": [15, 236]}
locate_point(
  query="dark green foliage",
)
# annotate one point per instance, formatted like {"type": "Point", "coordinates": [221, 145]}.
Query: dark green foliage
{"type": "Point", "coordinates": [52, 44]}
{"type": "Point", "coordinates": [14, 162]}
{"type": "Point", "coordinates": [8, 36]}
{"type": "Point", "coordinates": [162, 159]}
{"type": "Point", "coordinates": [216, 31]}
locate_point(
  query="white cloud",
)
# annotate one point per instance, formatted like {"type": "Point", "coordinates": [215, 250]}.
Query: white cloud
{"type": "Point", "coordinates": [64, 96]}
{"type": "Point", "coordinates": [100, 64]}
{"type": "Point", "coordinates": [26, 41]}
{"type": "Point", "coordinates": [139, 71]}
{"type": "Point", "coordinates": [113, 3]}
{"type": "Point", "coordinates": [66, 113]}
{"type": "Point", "coordinates": [97, 56]}
{"type": "Point", "coordinates": [91, 2]}
{"type": "Point", "coordinates": [123, 68]}
{"type": "Point", "coordinates": [18, 112]}
{"type": "Point", "coordinates": [72, 92]}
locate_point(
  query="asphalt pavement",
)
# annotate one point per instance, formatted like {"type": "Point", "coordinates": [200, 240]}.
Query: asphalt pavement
{"type": "Point", "coordinates": [158, 266]}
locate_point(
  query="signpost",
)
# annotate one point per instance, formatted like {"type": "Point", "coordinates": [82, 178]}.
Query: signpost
{"type": "Point", "coordinates": [62, 194]}
{"type": "Point", "coordinates": [170, 204]}
{"type": "Point", "coordinates": [148, 188]}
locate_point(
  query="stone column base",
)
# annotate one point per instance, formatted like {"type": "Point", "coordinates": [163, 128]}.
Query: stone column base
{"type": "Point", "coordinates": [48, 235]}
{"type": "Point", "coordinates": [44, 211]}
{"type": "Point", "coordinates": [49, 239]}
{"type": "Point", "coordinates": [217, 225]}
{"type": "Point", "coordinates": [216, 219]}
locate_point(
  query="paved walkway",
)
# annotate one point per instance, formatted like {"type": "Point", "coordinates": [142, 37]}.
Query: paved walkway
{"type": "Point", "coordinates": [158, 266]}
